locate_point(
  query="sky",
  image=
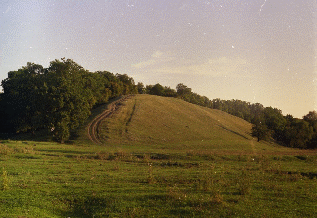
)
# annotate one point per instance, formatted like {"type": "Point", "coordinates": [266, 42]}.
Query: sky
{"type": "Point", "coordinates": [253, 50]}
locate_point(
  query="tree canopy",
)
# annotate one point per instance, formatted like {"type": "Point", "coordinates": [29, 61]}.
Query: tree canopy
{"type": "Point", "coordinates": [58, 98]}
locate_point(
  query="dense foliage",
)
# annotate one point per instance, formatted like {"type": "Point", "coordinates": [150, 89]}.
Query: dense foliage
{"type": "Point", "coordinates": [58, 98]}
{"type": "Point", "coordinates": [269, 123]}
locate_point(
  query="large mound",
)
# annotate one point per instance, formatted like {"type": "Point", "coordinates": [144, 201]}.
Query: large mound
{"type": "Point", "coordinates": [154, 120]}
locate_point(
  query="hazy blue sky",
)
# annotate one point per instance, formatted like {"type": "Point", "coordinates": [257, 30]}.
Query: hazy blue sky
{"type": "Point", "coordinates": [254, 50]}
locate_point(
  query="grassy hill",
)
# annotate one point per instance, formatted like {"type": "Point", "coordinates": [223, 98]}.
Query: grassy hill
{"type": "Point", "coordinates": [154, 122]}
{"type": "Point", "coordinates": [159, 120]}
{"type": "Point", "coordinates": [160, 157]}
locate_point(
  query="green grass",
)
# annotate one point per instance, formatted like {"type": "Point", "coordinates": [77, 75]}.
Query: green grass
{"type": "Point", "coordinates": [225, 175]}
{"type": "Point", "coordinates": [53, 180]}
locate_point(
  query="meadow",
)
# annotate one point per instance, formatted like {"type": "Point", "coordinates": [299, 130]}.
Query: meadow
{"type": "Point", "coordinates": [177, 168]}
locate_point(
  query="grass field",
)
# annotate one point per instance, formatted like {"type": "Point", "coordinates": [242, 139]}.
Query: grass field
{"type": "Point", "coordinates": [161, 157]}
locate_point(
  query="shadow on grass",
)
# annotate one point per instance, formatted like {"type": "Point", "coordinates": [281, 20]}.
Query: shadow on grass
{"type": "Point", "coordinates": [152, 205]}
{"type": "Point", "coordinates": [234, 132]}
{"type": "Point", "coordinates": [110, 206]}
{"type": "Point", "coordinates": [38, 136]}
{"type": "Point", "coordinates": [63, 151]}
{"type": "Point", "coordinates": [89, 207]}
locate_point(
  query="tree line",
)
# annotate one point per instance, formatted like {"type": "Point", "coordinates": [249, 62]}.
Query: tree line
{"type": "Point", "coordinates": [268, 123]}
{"type": "Point", "coordinates": [60, 98]}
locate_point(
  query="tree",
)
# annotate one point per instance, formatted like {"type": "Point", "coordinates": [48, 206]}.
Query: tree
{"type": "Point", "coordinates": [275, 121]}
{"type": "Point", "coordinates": [183, 91]}
{"type": "Point", "coordinates": [58, 98]}
{"type": "Point", "coordinates": [112, 83]}
{"type": "Point", "coordinates": [169, 92]}
{"type": "Point", "coordinates": [217, 104]}
{"type": "Point", "coordinates": [297, 133]}
{"type": "Point", "coordinates": [128, 84]}
{"type": "Point", "coordinates": [260, 131]}
{"type": "Point", "coordinates": [256, 111]}
{"type": "Point", "coordinates": [207, 102]}
{"type": "Point", "coordinates": [311, 118]}
{"type": "Point", "coordinates": [141, 88]}
{"type": "Point", "coordinates": [69, 102]}
{"type": "Point", "coordinates": [96, 83]}
{"type": "Point", "coordinates": [157, 89]}
{"type": "Point", "coordinates": [22, 92]}
{"type": "Point", "coordinates": [148, 89]}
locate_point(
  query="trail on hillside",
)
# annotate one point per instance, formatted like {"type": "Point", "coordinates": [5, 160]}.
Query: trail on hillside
{"type": "Point", "coordinates": [253, 146]}
{"type": "Point", "coordinates": [93, 126]}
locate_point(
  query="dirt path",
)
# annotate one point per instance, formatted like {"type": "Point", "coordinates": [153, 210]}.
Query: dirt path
{"type": "Point", "coordinates": [93, 126]}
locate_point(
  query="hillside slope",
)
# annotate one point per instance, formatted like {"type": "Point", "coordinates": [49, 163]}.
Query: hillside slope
{"type": "Point", "coordinates": [160, 122]}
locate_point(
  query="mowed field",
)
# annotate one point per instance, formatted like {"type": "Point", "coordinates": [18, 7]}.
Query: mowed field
{"type": "Point", "coordinates": [158, 157]}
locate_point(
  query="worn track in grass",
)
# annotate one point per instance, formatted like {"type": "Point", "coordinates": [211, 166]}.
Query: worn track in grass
{"type": "Point", "coordinates": [93, 126]}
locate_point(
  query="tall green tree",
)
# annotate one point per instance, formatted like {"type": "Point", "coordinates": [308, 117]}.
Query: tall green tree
{"type": "Point", "coordinates": [275, 121]}
{"type": "Point", "coordinates": [297, 133]}
{"type": "Point", "coordinates": [141, 88]}
{"type": "Point", "coordinates": [169, 92]}
{"type": "Point", "coordinates": [22, 91]}
{"type": "Point", "coordinates": [69, 100]}
{"type": "Point", "coordinates": [311, 118]}
{"type": "Point", "coordinates": [183, 91]}
{"type": "Point", "coordinates": [260, 130]}
{"type": "Point", "coordinates": [129, 86]}
{"type": "Point", "coordinates": [157, 89]}
{"type": "Point", "coordinates": [112, 82]}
